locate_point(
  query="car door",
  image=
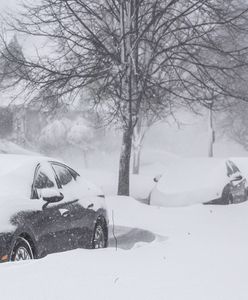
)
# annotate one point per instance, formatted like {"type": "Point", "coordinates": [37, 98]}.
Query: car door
{"type": "Point", "coordinates": [46, 223]}
{"type": "Point", "coordinates": [76, 215]}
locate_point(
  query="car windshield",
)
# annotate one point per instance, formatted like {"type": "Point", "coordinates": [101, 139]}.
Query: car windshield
{"type": "Point", "coordinates": [16, 175]}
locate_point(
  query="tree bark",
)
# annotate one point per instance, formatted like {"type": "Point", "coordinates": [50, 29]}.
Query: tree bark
{"type": "Point", "coordinates": [211, 134]}
{"type": "Point", "coordinates": [129, 58]}
{"type": "Point", "coordinates": [124, 164]}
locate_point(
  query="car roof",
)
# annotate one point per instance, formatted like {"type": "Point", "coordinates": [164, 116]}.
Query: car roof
{"type": "Point", "coordinates": [17, 173]}
{"type": "Point", "coordinates": [11, 162]}
{"type": "Point", "coordinates": [197, 162]}
{"type": "Point", "coordinates": [21, 157]}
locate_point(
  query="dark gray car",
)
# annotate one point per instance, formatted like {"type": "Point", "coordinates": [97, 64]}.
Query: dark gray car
{"type": "Point", "coordinates": [46, 207]}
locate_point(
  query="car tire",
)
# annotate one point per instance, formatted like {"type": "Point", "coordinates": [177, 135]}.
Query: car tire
{"type": "Point", "coordinates": [100, 236]}
{"type": "Point", "coordinates": [21, 250]}
{"type": "Point", "coordinates": [149, 199]}
{"type": "Point", "coordinates": [246, 194]}
{"type": "Point", "coordinates": [226, 196]}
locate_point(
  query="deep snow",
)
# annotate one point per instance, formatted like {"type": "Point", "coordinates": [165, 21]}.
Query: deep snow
{"type": "Point", "coordinates": [195, 252]}
{"type": "Point", "coordinates": [185, 253]}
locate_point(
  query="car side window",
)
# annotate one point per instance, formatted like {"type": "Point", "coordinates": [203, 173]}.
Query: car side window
{"type": "Point", "coordinates": [42, 181]}
{"type": "Point", "coordinates": [229, 169]}
{"type": "Point", "coordinates": [44, 178]}
{"type": "Point", "coordinates": [64, 175]}
{"type": "Point", "coordinates": [234, 167]}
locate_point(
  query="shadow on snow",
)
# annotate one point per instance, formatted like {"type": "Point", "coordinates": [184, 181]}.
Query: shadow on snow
{"type": "Point", "coordinates": [128, 238]}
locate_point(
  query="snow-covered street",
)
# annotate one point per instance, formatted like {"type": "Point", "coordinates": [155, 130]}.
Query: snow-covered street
{"type": "Point", "coordinates": [196, 252]}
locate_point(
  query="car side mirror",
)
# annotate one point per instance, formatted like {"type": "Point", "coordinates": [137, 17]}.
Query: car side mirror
{"type": "Point", "coordinates": [156, 179]}
{"type": "Point", "coordinates": [51, 195]}
{"type": "Point", "coordinates": [236, 177]}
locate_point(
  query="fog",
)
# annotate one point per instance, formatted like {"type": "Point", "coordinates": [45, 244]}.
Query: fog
{"type": "Point", "coordinates": [187, 139]}
{"type": "Point", "coordinates": [191, 138]}
{"type": "Point", "coordinates": [10, 4]}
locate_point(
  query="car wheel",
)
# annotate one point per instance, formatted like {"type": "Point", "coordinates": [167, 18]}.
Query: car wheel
{"type": "Point", "coordinates": [100, 236]}
{"type": "Point", "coordinates": [226, 197]}
{"type": "Point", "coordinates": [21, 250]}
{"type": "Point", "coordinates": [149, 199]}
{"type": "Point", "coordinates": [246, 194]}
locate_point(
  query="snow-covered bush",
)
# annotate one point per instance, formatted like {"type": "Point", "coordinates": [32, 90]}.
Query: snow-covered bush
{"type": "Point", "coordinates": [54, 135]}
{"type": "Point", "coordinates": [81, 134]}
{"type": "Point", "coordinates": [60, 134]}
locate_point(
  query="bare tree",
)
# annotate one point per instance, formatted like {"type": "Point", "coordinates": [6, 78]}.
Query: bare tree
{"type": "Point", "coordinates": [233, 123]}
{"type": "Point", "coordinates": [133, 55]}
{"type": "Point", "coordinates": [11, 73]}
{"type": "Point", "coordinates": [140, 130]}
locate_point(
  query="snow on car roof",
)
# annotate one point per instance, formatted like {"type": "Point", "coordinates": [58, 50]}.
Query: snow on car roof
{"type": "Point", "coordinates": [8, 147]}
{"type": "Point", "coordinates": [11, 162]}
{"type": "Point", "coordinates": [192, 173]}
{"type": "Point", "coordinates": [17, 173]}
{"type": "Point", "coordinates": [187, 165]}
{"type": "Point", "coordinates": [16, 179]}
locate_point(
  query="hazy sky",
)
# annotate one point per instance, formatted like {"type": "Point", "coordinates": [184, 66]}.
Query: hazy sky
{"type": "Point", "coordinates": [29, 44]}
{"type": "Point", "coordinates": [4, 4]}
{"type": "Point", "coordinates": [190, 140]}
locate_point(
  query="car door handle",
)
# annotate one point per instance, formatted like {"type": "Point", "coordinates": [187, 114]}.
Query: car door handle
{"type": "Point", "coordinates": [64, 212]}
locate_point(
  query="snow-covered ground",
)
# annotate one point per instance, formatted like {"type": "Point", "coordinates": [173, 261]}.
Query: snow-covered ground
{"type": "Point", "coordinates": [106, 175]}
{"type": "Point", "coordinates": [185, 253]}
{"type": "Point", "coordinates": [12, 148]}
{"type": "Point", "coordinates": [196, 252]}
{"type": "Point", "coordinates": [140, 185]}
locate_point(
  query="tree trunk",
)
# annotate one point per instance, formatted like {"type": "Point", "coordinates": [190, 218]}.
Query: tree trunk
{"type": "Point", "coordinates": [137, 145]}
{"type": "Point", "coordinates": [129, 86]}
{"type": "Point", "coordinates": [211, 134]}
{"type": "Point", "coordinates": [136, 159]}
{"type": "Point", "coordinates": [124, 164]}
{"type": "Point", "coordinates": [85, 159]}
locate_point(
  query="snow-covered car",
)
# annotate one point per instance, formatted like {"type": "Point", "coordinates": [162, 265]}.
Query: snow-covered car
{"type": "Point", "coordinates": [47, 207]}
{"type": "Point", "coordinates": [203, 180]}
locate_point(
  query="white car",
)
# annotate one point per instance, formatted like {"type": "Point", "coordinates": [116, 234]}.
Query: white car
{"type": "Point", "coordinates": [199, 180]}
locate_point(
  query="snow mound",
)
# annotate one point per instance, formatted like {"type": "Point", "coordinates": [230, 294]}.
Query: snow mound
{"type": "Point", "coordinates": [8, 147]}
{"type": "Point", "coordinates": [202, 256]}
